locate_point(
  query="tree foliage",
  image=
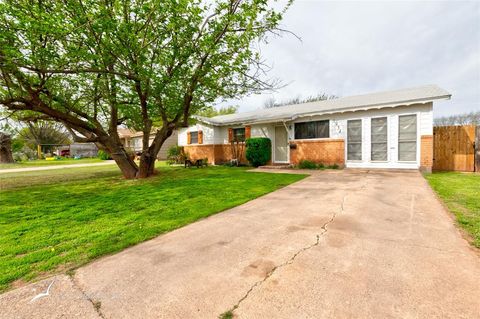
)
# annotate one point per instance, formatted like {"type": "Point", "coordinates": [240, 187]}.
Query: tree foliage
{"type": "Point", "coordinates": [43, 132]}
{"type": "Point", "coordinates": [271, 102]}
{"type": "Point", "coordinates": [472, 118]}
{"type": "Point", "coordinates": [212, 111]}
{"type": "Point", "coordinates": [93, 65]}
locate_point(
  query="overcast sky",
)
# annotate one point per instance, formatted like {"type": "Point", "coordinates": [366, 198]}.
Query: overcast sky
{"type": "Point", "coordinates": [352, 48]}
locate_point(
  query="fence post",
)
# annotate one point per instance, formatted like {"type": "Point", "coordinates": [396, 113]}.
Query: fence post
{"type": "Point", "coordinates": [477, 148]}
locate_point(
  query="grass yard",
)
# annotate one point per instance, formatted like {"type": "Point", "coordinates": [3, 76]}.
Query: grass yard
{"type": "Point", "coordinates": [35, 163]}
{"type": "Point", "coordinates": [461, 194]}
{"type": "Point", "coordinates": [59, 219]}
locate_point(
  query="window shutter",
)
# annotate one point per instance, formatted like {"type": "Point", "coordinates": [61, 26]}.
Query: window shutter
{"type": "Point", "coordinates": [189, 138]}
{"type": "Point", "coordinates": [230, 135]}
{"type": "Point", "coordinates": [247, 132]}
{"type": "Point", "coordinates": [200, 137]}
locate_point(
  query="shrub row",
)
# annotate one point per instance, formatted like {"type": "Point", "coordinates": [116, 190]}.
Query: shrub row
{"type": "Point", "coordinates": [306, 164]}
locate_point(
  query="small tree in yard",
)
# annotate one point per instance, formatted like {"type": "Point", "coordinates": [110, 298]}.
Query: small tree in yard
{"type": "Point", "coordinates": [95, 65]}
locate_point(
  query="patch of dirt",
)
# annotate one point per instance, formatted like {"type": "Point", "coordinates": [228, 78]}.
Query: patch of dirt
{"type": "Point", "coordinates": [258, 268]}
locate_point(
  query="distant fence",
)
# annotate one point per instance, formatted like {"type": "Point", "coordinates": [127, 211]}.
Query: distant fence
{"type": "Point", "coordinates": [456, 148]}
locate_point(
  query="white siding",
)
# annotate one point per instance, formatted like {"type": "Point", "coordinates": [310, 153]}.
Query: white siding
{"type": "Point", "coordinates": [208, 133]}
{"type": "Point", "coordinates": [338, 124]}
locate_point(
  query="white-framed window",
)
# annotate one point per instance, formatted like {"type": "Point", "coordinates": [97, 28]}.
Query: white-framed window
{"type": "Point", "coordinates": [407, 138]}
{"type": "Point", "coordinates": [313, 129]}
{"type": "Point", "coordinates": [379, 139]}
{"type": "Point", "coordinates": [239, 134]}
{"type": "Point", "coordinates": [193, 137]}
{"type": "Point", "coordinates": [354, 140]}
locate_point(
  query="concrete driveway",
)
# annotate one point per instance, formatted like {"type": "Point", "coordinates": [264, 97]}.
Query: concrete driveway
{"type": "Point", "coordinates": [362, 244]}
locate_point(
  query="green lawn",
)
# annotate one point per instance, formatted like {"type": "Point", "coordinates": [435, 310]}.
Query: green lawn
{"type": "Point", "coordinates": [59, 219]}
{"type": "Point", "coordinates": [66, 161]}
{"type": "Point", "coordinates": [461, 193]}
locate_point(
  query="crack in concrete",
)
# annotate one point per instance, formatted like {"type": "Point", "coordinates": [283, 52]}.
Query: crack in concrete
{"type": "Point", "coordinates": [95, 304]}
{"type": "Point", "coordinates": [290, 260]}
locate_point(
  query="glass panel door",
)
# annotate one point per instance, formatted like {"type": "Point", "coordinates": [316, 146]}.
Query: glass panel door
{"type": "Point", "coordinates": [281, 144]}
{"type": "Point", "coordinates": [379, 136]}
{"type": "Point", "coordinates": [354, 140]}
{"type": "Point", "coordinates": [407, 138]}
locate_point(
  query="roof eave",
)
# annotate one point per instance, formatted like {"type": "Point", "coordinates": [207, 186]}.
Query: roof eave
{"type": "Point", "coordinates": [326, 112]}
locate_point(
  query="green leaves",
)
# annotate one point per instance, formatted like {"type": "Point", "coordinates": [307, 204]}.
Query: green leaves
{"type": "Point", "coordinates": [93, 65]}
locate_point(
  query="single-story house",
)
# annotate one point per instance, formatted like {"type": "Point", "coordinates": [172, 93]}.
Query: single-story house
{"type": "Point", "coordinates": [391, 129]}
{"type": "Point", "coordinates": [132, 141]}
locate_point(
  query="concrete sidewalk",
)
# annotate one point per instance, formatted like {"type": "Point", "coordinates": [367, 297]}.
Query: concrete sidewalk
{"type": "Point", "coordinates": [50, 167]}
{"type": "Point", "coordinates": [337, 244]}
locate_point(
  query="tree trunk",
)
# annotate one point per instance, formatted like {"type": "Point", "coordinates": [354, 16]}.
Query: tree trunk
{"type": "Point", "coordinates": [127, 165]}
{"type": "Point", "coordinates": [5, 148]}
{"type": "Point", "coordinates": [147, 165]}
{"type": "Point", "coordinates": [149, 156]}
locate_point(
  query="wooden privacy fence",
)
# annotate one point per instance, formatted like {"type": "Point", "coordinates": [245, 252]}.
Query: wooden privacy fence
{"type": "Point", "coordinates": [454, 148]}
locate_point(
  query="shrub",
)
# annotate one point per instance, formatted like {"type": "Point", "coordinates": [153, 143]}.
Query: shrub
{"type": "Point", "coordinates": [334, 166]}
{"type": "Point", "coordinates": [175, 155]}
{"type": "Point", "coordinates": [103, 155]}
{"type": "Point", "coordinates": [259, 150]}
{"type": "Point", "coordinates": [306, 164]}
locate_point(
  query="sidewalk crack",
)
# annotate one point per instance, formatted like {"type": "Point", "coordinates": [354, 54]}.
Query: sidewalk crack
{"type": "Point", "coordinates": [95, 303]}
{"type": "Point", "coordinates": [324, 229]}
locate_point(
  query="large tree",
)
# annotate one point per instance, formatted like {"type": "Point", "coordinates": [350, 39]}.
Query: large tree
{"type": "Point", "coordinates": [94, 65]}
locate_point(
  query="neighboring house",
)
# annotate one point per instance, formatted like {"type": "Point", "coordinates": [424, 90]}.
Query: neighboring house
{"type": "Point", "coordinates": [132, 140]}
{"type": "Point", "coordinates": [83, 149]}
{"type": "Point", "coordinates": [392, 129]}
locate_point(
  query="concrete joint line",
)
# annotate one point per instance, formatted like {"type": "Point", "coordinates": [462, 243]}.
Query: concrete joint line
{"type": "Point", "coordinates": [291, 259]}
{"type": "Point", "coordinates": [95, 304]}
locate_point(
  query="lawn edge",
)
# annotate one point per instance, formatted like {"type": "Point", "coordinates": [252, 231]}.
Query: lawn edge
{"type": "Point", "coordinates": [463, 232]}
{"type": "Point", "coordinates": [71, 270]}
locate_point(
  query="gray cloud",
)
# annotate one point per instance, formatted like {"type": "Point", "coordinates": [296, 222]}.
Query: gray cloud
{"type": "Point", "coordinates": [360, 47]}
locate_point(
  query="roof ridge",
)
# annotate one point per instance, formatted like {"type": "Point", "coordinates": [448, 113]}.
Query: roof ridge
{"type": "Point", "coordinates": [388, 98]}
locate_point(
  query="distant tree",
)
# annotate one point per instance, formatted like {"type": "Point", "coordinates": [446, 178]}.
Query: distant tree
{"type": "Point", "coordinates": [43, 132]}
{"type": "Point", "coordinates": [271, 102]}
{"type": "Point", "coordinates": [472, 118]}
{"type": "Point", "coordinates": [211, 111]}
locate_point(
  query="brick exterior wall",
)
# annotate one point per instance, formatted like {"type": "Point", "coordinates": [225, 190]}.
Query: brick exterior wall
{"type": "Point", "coordinates": [328, 151]}
{"type": "Point", "coordinates": [426, 153]}
{"type": "Point", "coordinates": [216, 154]}
{"type": "Point", "coordinates": [195, 152]}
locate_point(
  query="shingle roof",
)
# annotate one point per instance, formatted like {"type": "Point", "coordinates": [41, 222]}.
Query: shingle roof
{"type": "Point", "coordinates": [421, 94]}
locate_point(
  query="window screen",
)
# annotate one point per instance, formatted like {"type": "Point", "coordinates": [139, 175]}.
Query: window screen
{"type": "Point", "coordinates": [193, 137]}
{"type": "Point", "coordinates": [239, 134]}
{"type": "Point", "coordinates": [379, 135]}
{"type": "Point", "coordinates": [316, 129]}
{"type": "Point", "coordinates": [407, 137]}
{"type": "Point", "coordinates": [354, 140]}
